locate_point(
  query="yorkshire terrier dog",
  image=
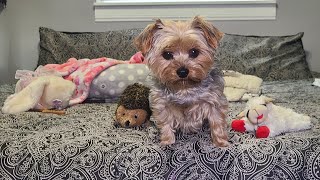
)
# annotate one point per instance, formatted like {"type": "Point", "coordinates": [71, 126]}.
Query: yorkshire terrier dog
{"type": "Point", "coordinates": [188, 88]}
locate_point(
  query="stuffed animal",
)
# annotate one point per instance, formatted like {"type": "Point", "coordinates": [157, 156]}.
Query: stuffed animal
{"type": "Point", "coordinates": [240, 87]}
{"type": "Point", "coordinates": [133, 107]}
{"type": "Point", "coordinates": [268, 120]}
{"type": "Point", "coordinates": [43, 92]}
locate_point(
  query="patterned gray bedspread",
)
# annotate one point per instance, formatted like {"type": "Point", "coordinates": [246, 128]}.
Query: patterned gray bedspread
{"type": "Point", "coordinates": [84, 144]}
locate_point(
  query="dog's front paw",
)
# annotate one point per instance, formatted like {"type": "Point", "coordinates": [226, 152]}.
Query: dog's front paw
{"type": "Point", "coordinates": [167, 140]}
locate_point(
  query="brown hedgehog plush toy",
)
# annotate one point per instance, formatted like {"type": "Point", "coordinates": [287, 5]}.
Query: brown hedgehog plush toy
{"type": "Point", "coordinates": [133, 107]}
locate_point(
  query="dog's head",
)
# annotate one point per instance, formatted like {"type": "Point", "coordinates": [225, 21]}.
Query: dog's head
{"type": "Point", "coordinates": [179, 54]}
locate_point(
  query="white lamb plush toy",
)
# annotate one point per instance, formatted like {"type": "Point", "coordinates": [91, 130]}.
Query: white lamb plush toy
{"type": "Point", "coordinates": [268, 120]}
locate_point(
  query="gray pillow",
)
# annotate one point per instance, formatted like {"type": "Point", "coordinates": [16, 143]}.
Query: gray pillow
{"type": "Point", "coordinates": [268, 57]}
{"type": "Point", "coordinates": [57, 47]}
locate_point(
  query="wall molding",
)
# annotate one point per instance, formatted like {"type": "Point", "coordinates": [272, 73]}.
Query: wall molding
{"type": "Point", "coordinates": [117, 10]}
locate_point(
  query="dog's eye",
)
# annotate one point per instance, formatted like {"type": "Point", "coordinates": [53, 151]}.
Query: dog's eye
{"type": "Point", "coordinates": [167, 55]}
{"type": "Point", "coordinates": [136, 116]}
{"type": "Point", "coordinates": [193, 53]}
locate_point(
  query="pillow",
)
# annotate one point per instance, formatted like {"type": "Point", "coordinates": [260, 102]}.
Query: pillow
{"type": "Point", "coordinates": [110, 83]}
{"type": "Point", "coordinates": [57, 47]}
{"type": "Point", "coordinates": [268, 57]}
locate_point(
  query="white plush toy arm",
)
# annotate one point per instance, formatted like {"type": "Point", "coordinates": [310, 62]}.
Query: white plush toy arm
{"type": "Point", "coordinates": [27, 98]}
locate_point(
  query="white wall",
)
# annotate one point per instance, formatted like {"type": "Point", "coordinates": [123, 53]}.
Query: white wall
{"type": "Point", "coordinates": [4, 47]}
{"type": "Point", "coordinates": [78, 15]}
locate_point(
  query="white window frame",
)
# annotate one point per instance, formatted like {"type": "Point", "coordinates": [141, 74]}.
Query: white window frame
{"type": "Point", "coordinates": [148, 10]}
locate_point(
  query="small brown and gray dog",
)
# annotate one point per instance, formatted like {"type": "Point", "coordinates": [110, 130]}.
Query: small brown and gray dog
{"type": "Point", "coordinates": [188, 88]}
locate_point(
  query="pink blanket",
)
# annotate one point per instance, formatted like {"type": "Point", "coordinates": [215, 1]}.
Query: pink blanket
{"type": "Point", "coordinates": [81, 72]}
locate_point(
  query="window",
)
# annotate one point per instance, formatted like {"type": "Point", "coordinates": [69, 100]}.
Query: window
{"type": "Point", "coordinates": [146, 10]}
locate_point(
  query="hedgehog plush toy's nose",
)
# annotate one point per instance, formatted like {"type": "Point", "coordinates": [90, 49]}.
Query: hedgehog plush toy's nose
{"type": "Point", "coordinates": [127, 123]}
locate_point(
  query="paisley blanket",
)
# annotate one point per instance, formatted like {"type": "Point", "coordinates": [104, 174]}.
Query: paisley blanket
{"type": "Point", "coordinates": [84, 144]}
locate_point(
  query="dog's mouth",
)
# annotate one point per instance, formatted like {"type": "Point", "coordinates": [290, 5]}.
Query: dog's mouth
{"type": "Point", "coordinates": [184, 83]}
{"type": "Point", "coordinates": [188, 81]}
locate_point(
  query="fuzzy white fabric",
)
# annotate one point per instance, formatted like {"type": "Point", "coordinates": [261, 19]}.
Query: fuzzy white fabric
{"type": "Point", "coordinates": [240, 86]}
{"type": "Point", "coordinates": [316, 82]}
{"type": "Point", "coordinates": [40, 94]}
{"type": "Point", "coordinates": [278, 119]}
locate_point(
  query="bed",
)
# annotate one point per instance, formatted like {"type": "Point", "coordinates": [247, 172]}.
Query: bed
{"type": "Point", "coordinates": [85, 144]}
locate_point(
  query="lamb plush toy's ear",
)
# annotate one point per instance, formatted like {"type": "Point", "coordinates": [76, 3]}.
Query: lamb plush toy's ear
{"type": "Point", "coordinates": [27, 98]}
{"type": "Point", "coordinates": [268, 100]}
{"type": "Point", "coordinates": [242, 114]}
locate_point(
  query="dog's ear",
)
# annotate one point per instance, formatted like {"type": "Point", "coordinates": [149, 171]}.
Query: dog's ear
{"type": "Point", "coordinates": [211, 33]}
{"type": "Point", "coordinates": [143, 41]}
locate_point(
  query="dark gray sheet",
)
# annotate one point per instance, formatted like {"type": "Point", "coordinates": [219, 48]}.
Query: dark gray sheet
{"type": "Point", "coordinates": [84, 144]}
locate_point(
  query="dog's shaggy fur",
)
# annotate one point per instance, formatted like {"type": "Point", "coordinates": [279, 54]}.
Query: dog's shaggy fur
{"type": "Point", "coordinates": [188, 88]}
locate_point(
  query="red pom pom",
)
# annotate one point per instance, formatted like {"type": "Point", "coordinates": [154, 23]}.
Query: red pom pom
{"type": "Point", "coordinates": [262, 132]}
{"type": "Point", "coordinates": [238, 125]}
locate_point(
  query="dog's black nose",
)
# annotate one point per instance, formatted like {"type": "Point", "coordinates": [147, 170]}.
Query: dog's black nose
{"type": "Point", "coordinates": [183, 72]}
{"type": "Point", "coordinates": [127, 123]}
